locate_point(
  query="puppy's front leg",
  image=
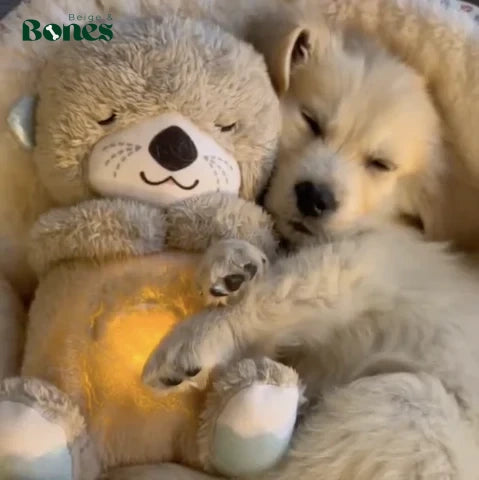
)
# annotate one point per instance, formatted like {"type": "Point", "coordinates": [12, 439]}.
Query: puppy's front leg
{"type": "Point", "coordinates": [193, 348]}
{"type": "Point", "coordinates": [228, 268]}
{"type": "Point", "coordinates": [299, 301]}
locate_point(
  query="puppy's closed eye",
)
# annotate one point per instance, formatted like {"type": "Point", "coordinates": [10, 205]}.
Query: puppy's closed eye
{"type": "Point", "coordinates": [379, 164]}
{"type": "Point", "coordinates": [313, 124]}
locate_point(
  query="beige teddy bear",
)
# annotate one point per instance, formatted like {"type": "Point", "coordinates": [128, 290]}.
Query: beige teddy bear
{"type": "Point", "coordinates": [176, 122]}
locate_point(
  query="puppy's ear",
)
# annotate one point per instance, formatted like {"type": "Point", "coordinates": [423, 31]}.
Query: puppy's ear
{"type": "Point", "coordinates": [284, 46]}
{"type": "Point", "coordinates": [293, 49]}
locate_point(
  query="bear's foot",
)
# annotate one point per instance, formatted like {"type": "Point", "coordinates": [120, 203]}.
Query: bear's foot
{"type": "Point", "coordinates": [249, 417]}
{"type": "Point", "coordinates": [42, 434]}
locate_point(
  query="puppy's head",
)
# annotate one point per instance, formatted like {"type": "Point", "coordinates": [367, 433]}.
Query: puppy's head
{"type": "Point", "coordinates": [358, 130]}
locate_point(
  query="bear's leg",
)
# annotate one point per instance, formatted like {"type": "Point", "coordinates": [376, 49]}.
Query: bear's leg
{"type": "Point", "coordinates": [42, 434]}
{"type": "Point", "coordinates": [245, 428]}
{"type": "Point", "coordinates": [249, 417]}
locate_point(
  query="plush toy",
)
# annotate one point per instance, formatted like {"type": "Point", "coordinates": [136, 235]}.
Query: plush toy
{"type": "Point", "coordinates": [161, 138]}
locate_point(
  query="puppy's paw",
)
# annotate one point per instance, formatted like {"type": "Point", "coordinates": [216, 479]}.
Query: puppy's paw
{"type": "Point", "coordinates": [186, 356]}
{"type": "Point", "coordinates": [227, 268]}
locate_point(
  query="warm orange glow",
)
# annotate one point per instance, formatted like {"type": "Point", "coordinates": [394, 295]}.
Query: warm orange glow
{"type": "Point", "coordinates": [95, 341]}
{"type": "Point", "coordinates": [114, 363]}
{"type": "Point", "coordinates": [117, 360]}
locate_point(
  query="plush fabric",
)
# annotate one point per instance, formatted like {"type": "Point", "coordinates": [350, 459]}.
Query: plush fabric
{"type": "Point", "coordinates": [111, 286]}
{"type": "Point", "coordinates": [33, 460]}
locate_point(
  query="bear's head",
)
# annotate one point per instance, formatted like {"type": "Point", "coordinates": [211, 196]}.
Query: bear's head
{"type": "Point", "coordinates": [170, 107]}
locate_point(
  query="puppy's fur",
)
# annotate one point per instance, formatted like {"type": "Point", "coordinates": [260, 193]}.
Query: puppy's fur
{"type": "Point", "coordinates": [361, 125]}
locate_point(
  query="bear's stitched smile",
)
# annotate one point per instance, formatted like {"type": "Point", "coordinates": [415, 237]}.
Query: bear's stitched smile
{"type": "Point", "coordinates": [168, 179]}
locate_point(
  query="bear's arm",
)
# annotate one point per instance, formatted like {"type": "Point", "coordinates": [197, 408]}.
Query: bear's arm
{"type": "Point", "coordinates": [96, 230]}
{"type": "Point", "coordinates": [194, 224]}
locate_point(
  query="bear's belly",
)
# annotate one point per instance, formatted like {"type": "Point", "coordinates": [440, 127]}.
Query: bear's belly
{"type": "Point", "coordinates": [91, 332]}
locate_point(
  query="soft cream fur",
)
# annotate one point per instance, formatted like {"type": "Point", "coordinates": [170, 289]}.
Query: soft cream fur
{"type": "Point", "coordinates": [369, 107]}
{"type": "Point", "coordinates": [446, 37]}
{"type": "Point", "coordinates": [432, 37]}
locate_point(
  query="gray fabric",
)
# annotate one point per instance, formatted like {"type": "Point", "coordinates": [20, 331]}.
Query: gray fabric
{"type": "Point", "coordinates": [7, 5]}
{"type": "Point", "coordinates": [227, 384]}
{"type": "Point", "coordinates": [51, 466]}
{"type": "Point", "coordinates": [238, 456]}
{"type": "Point", "coordinates": [56, 407]}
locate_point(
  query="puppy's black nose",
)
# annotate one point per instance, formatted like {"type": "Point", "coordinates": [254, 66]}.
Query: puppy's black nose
{"type": "Point", "coordinates": [314, 200]}
{"type": "Point", "coordinates": [173, 149]}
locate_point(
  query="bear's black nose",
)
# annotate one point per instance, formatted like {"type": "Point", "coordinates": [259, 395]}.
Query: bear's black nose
{"type": "Point", "coordinates": [173, 149]}
{"type": "Point", "coordinates": [314, 200]}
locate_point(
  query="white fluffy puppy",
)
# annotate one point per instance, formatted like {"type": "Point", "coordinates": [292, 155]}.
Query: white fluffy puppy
{"type": "Point", "coordinates": [361, 138]}
{"type": "Point", "coordinates": [360, 135]}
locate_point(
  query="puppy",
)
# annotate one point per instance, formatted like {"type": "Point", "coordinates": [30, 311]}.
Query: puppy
{"type": "Point", "coordinates": [361, 139]}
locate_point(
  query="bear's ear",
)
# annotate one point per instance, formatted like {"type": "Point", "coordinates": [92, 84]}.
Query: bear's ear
{"type": "Point", "coordinates": [21, 120]}
{"type": "Point", "coordinates": [288, 50]}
